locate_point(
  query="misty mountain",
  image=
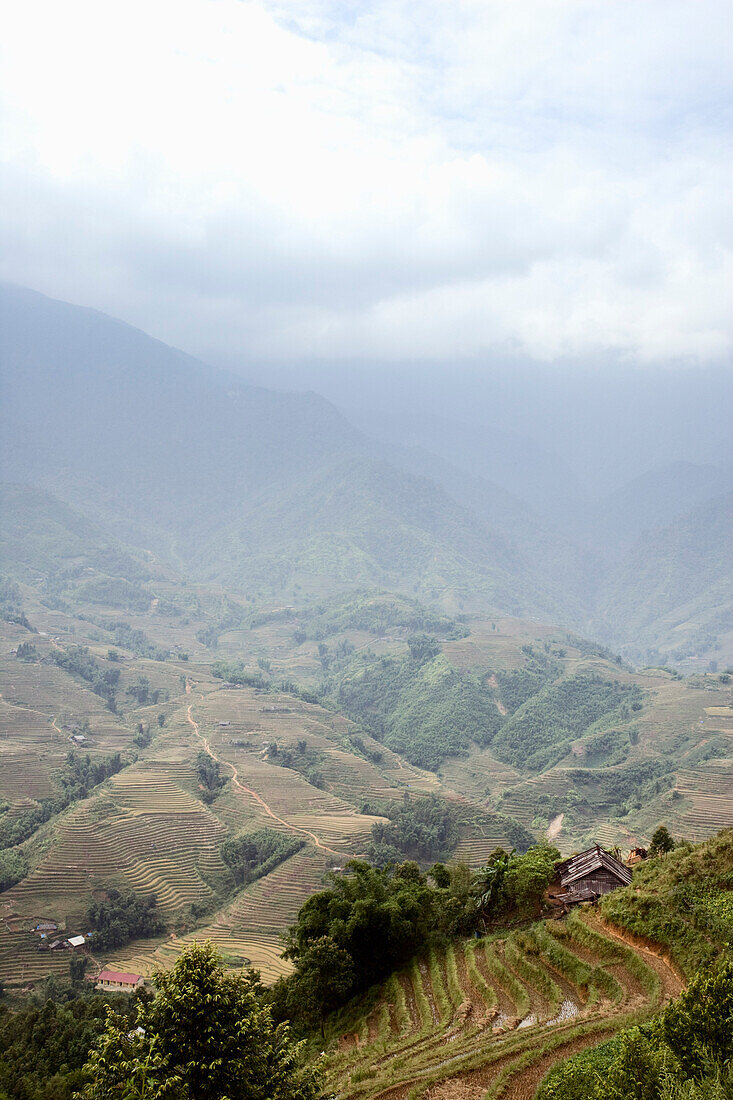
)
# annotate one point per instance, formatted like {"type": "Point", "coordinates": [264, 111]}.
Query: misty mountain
{"type": "Point", "coordinates": [671, 598]}
{"type": "Point", "coordinates": [655, 498]}
{"type": "Point", "coordinates": [232, 481]}
{"type": "Point", "coordinates": [508, 458]}
{"type": "Point", "coordinates": [114, 439]}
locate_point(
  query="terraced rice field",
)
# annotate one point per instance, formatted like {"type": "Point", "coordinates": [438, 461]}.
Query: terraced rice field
{"type": "Point", "coordinates": [487, 1018]}
{"type": "Point", "coordinates": [248, 930]}
{"type": "Point", "coordinates": [22, 963]}
{"type": "Point", "coordinates": [706, 799]}
{"type": "Point", "coordinates": [145, 832]}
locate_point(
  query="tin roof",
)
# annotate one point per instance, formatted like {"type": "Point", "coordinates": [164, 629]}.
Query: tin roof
{"type": "Point", "coordinates": [595, 858]}
{"type": "Point", "coordinates": [76, 941]}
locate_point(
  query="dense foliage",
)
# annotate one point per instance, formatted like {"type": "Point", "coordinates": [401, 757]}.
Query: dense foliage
{"type": "Point", "coordinates": [121, 917]}
{"type": "Point", "coordinates": [371, 921]}
{"type": "Point", "coordinates": [517, 685]}
{"type": "Point", "coordinates": [252, 855]}
{"type": "Point", "coordinates": [206, 1035]}
{"type": "Point", "coordinates": [417, 705]}
{"type": "Point", "coordinates": [377, 613]}
{"type": "Point", "coordinates": [13, 868]}
{"type": "Point", "coordinates": [44, 1045]}
{"type": "Point", "coordinates": [539, 732]}
{"type": "Point", "coordinates": [419, 828]}
{"type": "Point", "coordinates": [76, 779]}
{"type": "Point", "coordinates": [685, 1051]}
{"type": "Point", "coordinates": [128, 637]}
{"type": "Point", "coordinates": [210, 779]}
{"type": "Point", "coordinates": [115, 592]}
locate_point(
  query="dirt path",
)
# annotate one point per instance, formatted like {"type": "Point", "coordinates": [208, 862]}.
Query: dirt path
{"type": "Point", "coordinates": [494, 683]}
{"type": "Point", "coordinates": [236, 782]}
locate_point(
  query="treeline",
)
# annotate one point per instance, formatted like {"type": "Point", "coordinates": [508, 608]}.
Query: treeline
{"type": "Point", "coordinates": [234, 672]}
{"type": "Point", "coordinates": [78, 776]}
{"type": "Point", "coordinates": [375, 613]}
{"type": "Point", "coordinates": [252, 855]}
{"type": "Point", "coordinates": [537, 735]}
{"type": "Point", "coordinates": [371, 921]}
{"type": "Point", "coordinates": [79, 662]}
{"type": "Point", "coordinates": [115, 592]}
{"type": "Point", "coordinates": [129, 637]}
{"type": "Point", "coordinates": [418, 828]}
{"type": "Point", "coordinates": [121, 917]}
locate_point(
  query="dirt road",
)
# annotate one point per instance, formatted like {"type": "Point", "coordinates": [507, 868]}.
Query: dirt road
{"type": "Point", "coordinates": [236, 782]}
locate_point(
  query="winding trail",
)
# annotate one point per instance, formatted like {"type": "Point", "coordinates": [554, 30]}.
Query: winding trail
{"type": "Point", "coordinates": [253, 794]}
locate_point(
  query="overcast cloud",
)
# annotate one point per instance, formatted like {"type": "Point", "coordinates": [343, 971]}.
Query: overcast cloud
{"type": "Point", "coordinates": [433, 179]}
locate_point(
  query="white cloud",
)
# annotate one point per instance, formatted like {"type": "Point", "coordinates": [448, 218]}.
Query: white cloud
{"type": "Point", "coordinates": [383, 179]}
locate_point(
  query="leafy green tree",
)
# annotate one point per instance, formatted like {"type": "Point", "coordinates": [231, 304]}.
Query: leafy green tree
{"type": "Point", "coordinates": [490, 883]}
{"type": "Point", "coordinates": [78, 966]}
{"type": "Point", "coordinates": [380, 917]}
{"type": "Point", "coordinates": [529, 875]}
{"type": "Point", "coordinates": [325, 977]}
{"type": "Point", "coordinates": [661, 841]}
{"type": "Point", "coordinates": [206, 1035]}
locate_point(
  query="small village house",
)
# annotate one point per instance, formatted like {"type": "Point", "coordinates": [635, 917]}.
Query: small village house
{"type": "Point", "coordinates": [114, 981]}
{"type": "Point", "coordinates": [636, 855]}
{"type": "Point", "coordinates": [587, 876]}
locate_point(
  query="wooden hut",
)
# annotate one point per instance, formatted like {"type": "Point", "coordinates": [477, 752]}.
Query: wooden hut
{"type": "Point", "coordinates": [587, 876]}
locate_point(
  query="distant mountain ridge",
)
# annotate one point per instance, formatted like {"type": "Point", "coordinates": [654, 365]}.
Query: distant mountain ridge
{"type": "Point", "coordinates": [244, 484]}
{"type": "Point", "coordinates": [278, 494]}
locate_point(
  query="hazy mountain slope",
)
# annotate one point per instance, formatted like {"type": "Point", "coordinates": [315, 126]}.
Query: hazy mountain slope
{"type": "Point", "coordinates": [496, 453]}
{"type": "Point", "coordinates": [234, 481]}
{"type": "Point", "coordinates": [674, 592]}
{"type": "Point", "coordinates": [39, 533]}
{"type": "Point", "coordinates": [656, 497]}
{"type": "Point", "coordinates": [131, 426]}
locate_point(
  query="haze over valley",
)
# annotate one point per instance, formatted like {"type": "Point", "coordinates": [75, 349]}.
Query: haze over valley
{"type": "Point", "coordinates": [366, 550]}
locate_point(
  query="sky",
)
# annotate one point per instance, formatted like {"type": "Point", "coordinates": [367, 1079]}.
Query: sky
{"type": "Point", "coordinates": [435, 181]}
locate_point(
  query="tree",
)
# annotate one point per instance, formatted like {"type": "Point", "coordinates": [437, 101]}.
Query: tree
{"type": "Point", "coordinates": [206, 1035]}
{"type": "Point", "coordinates": [661, 841]}
{"type": "Point", "coordinates": [325, 977]}
{"type": "Point", "coordinates": [528, 876]}
{"type": "Point", "coordinates": [77, 967]}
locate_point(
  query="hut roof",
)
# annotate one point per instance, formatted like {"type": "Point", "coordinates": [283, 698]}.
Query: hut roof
{"type": "Point", "coordinates": [595, 858]}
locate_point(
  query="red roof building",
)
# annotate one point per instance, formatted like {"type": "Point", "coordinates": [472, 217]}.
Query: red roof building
{"type": "Point", "coordinates": [115, 982]}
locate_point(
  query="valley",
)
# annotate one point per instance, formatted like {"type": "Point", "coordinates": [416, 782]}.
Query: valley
{"type": "Point", "coordinates": [297, 753]}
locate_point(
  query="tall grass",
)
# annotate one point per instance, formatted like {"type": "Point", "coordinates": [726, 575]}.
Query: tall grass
{"type": "Point", "coordinates": [478, 981]}
{"type": "Point", "coordinates": [515, 953]}
{"type": "Point", "coordinates": [514, 988]}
